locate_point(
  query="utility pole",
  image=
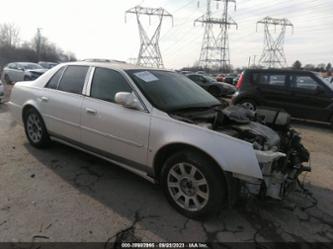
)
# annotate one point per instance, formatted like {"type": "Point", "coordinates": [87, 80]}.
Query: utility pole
{"type": "Point", "coordinates": [215, 47]}
{"type": "Point", "coordinates": [38, 43]}
{"type": "Point", "coordinates": [273, 55]}
{"type": "Point", "coordinates": [149, 54]}
{"type": "Point", "coordinates": [253, 65]}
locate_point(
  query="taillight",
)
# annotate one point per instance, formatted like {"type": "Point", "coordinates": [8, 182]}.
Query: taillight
{"type": "Point", "coordinates": [240, 81]}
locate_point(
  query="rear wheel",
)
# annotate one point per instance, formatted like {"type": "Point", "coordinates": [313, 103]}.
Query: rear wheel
{"type": "Point", "coordinates": [331, 122]}
{"type": "Point", "coordinates": [193, 185]}
{"type": "Point", "coordinates": [35, 129]}
{"type": "Point", "coordinates": [248, 104]}
{"type": "Point", "coordinates": [7, 79]}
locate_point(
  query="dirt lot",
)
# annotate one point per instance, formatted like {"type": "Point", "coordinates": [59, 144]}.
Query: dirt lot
{"type": "Point", "coordinates": [61, 194]}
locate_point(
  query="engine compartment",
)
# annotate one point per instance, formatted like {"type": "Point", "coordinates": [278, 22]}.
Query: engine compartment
{"type": "Point", "coordinates": [278, 147]}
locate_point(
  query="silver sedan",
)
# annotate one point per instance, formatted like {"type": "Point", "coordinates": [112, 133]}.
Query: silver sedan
{"type": "Point", "coordinates": [161, 126]}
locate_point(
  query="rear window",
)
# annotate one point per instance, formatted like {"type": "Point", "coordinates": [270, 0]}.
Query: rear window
{"type": "Point", "coordinates": [305, 82]}
{"type": "Point", "coordinates": [73, 79]}
{"type": "Point", "coordinates": [53, 83]}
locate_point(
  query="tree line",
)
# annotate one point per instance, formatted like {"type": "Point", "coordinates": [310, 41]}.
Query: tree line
{"type": "Point", "coordinates": [12, 48]}
{"type": "Point", "coordinates": [322, 67]}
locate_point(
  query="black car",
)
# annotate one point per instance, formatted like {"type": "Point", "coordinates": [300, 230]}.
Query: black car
{"type": "Point", "coordinates": [301, 93]}
{"type": "Point", "coordinates": [214, 87]}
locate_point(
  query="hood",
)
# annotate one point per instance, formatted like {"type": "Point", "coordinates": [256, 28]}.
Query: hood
{"type": "Point", "coordinates": [234, 121]}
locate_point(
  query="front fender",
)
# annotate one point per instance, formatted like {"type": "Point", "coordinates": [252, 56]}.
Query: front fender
{"type": "Point", "coordinates": [231, 154]}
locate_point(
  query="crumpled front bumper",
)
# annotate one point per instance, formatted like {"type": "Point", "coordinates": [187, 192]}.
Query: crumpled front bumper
{"type": "Point", "coordinates": [275, 182]}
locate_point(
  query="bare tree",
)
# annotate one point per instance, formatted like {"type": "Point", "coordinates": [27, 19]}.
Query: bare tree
{"type": "Point", "coordinates": [9, 35]}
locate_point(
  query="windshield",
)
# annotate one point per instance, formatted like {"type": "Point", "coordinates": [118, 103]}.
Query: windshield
{"type": "Point", "coordinates": [170, 91]}
{"type": "Point", "coordinates": [29, 66]}
{"type": "Point", "coordinates": [210, 79]}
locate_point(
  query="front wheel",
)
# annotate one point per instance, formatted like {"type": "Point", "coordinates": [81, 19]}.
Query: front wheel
{"type": "Point", "coordinates": [193, 185]}
{"type": "Point", "coordinates": [35, 129]}
{"type": "Point", "coordinates": [248, 104]}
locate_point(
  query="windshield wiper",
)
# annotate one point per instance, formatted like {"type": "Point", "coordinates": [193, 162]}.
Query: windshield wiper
{"type": "Point", "coordinates": [195, 108]}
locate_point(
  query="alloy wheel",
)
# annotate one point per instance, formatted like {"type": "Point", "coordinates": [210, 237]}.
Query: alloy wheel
{"type": "Point", "coordinates": [249, 106]}
{"type": "Point", "coordinates": [34, 128]}
{"type": "Point", "coordinates": [188, 186]}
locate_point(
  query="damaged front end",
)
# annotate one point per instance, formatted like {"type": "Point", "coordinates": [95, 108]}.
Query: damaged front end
{"type": "Point", "coordinates": [278, 148]}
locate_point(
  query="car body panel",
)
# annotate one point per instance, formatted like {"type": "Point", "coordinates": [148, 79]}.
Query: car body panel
{"type": "Point", "coordinates": [167, 131]}
{"type": "Point", "coordinates": [117, 130]}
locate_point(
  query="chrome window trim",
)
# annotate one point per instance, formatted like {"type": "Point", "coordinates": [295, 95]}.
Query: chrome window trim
{"type": "Point", "coordinates": [45, 86]}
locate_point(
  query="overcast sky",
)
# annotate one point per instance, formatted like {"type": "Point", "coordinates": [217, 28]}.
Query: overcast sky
{"type": "Point", "coordinates": [97, 28]}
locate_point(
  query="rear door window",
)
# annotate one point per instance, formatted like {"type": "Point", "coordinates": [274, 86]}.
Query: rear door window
{"type": "Point", "coordinates": [73, 79]}
{"type": "Point", "coordinates": [278, 80]}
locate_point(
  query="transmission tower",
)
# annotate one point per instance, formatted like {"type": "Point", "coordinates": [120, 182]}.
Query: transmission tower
{"type": "Point", "coordinates": [215, 45]}
{"type": "Point", "coordinates": [149, 54]}
{"type": "Point", "coordinates": [273, 55]}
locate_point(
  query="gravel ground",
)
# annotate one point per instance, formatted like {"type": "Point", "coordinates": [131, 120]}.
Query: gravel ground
{"type": "Point", "coordinates": [61, 194]}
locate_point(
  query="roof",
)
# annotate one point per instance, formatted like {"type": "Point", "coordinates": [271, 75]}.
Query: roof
{"type": "Point", "coordinates": [279, 70]}
{"type": "Point", "coordinates": [112, 65]}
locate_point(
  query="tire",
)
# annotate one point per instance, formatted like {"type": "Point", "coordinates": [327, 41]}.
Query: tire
{"type": "Point", "coordinates": [206, 197]}
{"type": "Point", "coordinates": [248, 104]}
{"type": "Point", "coordinates": [331, 122]}
{"type": "Point", "coordinates": [35, 129]}
{"type": "Point", "coordinates": [7, 79]}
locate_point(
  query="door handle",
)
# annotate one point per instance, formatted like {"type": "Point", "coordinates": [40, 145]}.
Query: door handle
{"type": "Point", "coordinates": [44, 99]}
{"type": "Point", "coordinates": [91, 111]}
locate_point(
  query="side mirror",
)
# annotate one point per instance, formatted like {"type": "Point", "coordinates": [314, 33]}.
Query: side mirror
{"type": "Point", "coordinates": [128, 100]}
{"type": "Point", "coordinates": [20, 68]}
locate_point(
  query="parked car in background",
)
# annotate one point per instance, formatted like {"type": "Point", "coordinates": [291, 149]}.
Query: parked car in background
{"type": "Point", "coordinates": [220, 77]}
{"type": "Point", "coordinates": [230, 79]}
{"type": "Point", "coordinates": [163, 127]}
{"type": "Point", "coordinates": [217, 89]}
{"type": "Point", "coordinates": [185, 72]}
{"type": "Point", "coordinates": [47, 64]}
{"type": "Point", "coordinates": [21, 71]}
{"type": "Point", "coordinates": [2, 92]}
{"type": "Point", "coordinates": [301, 93]}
